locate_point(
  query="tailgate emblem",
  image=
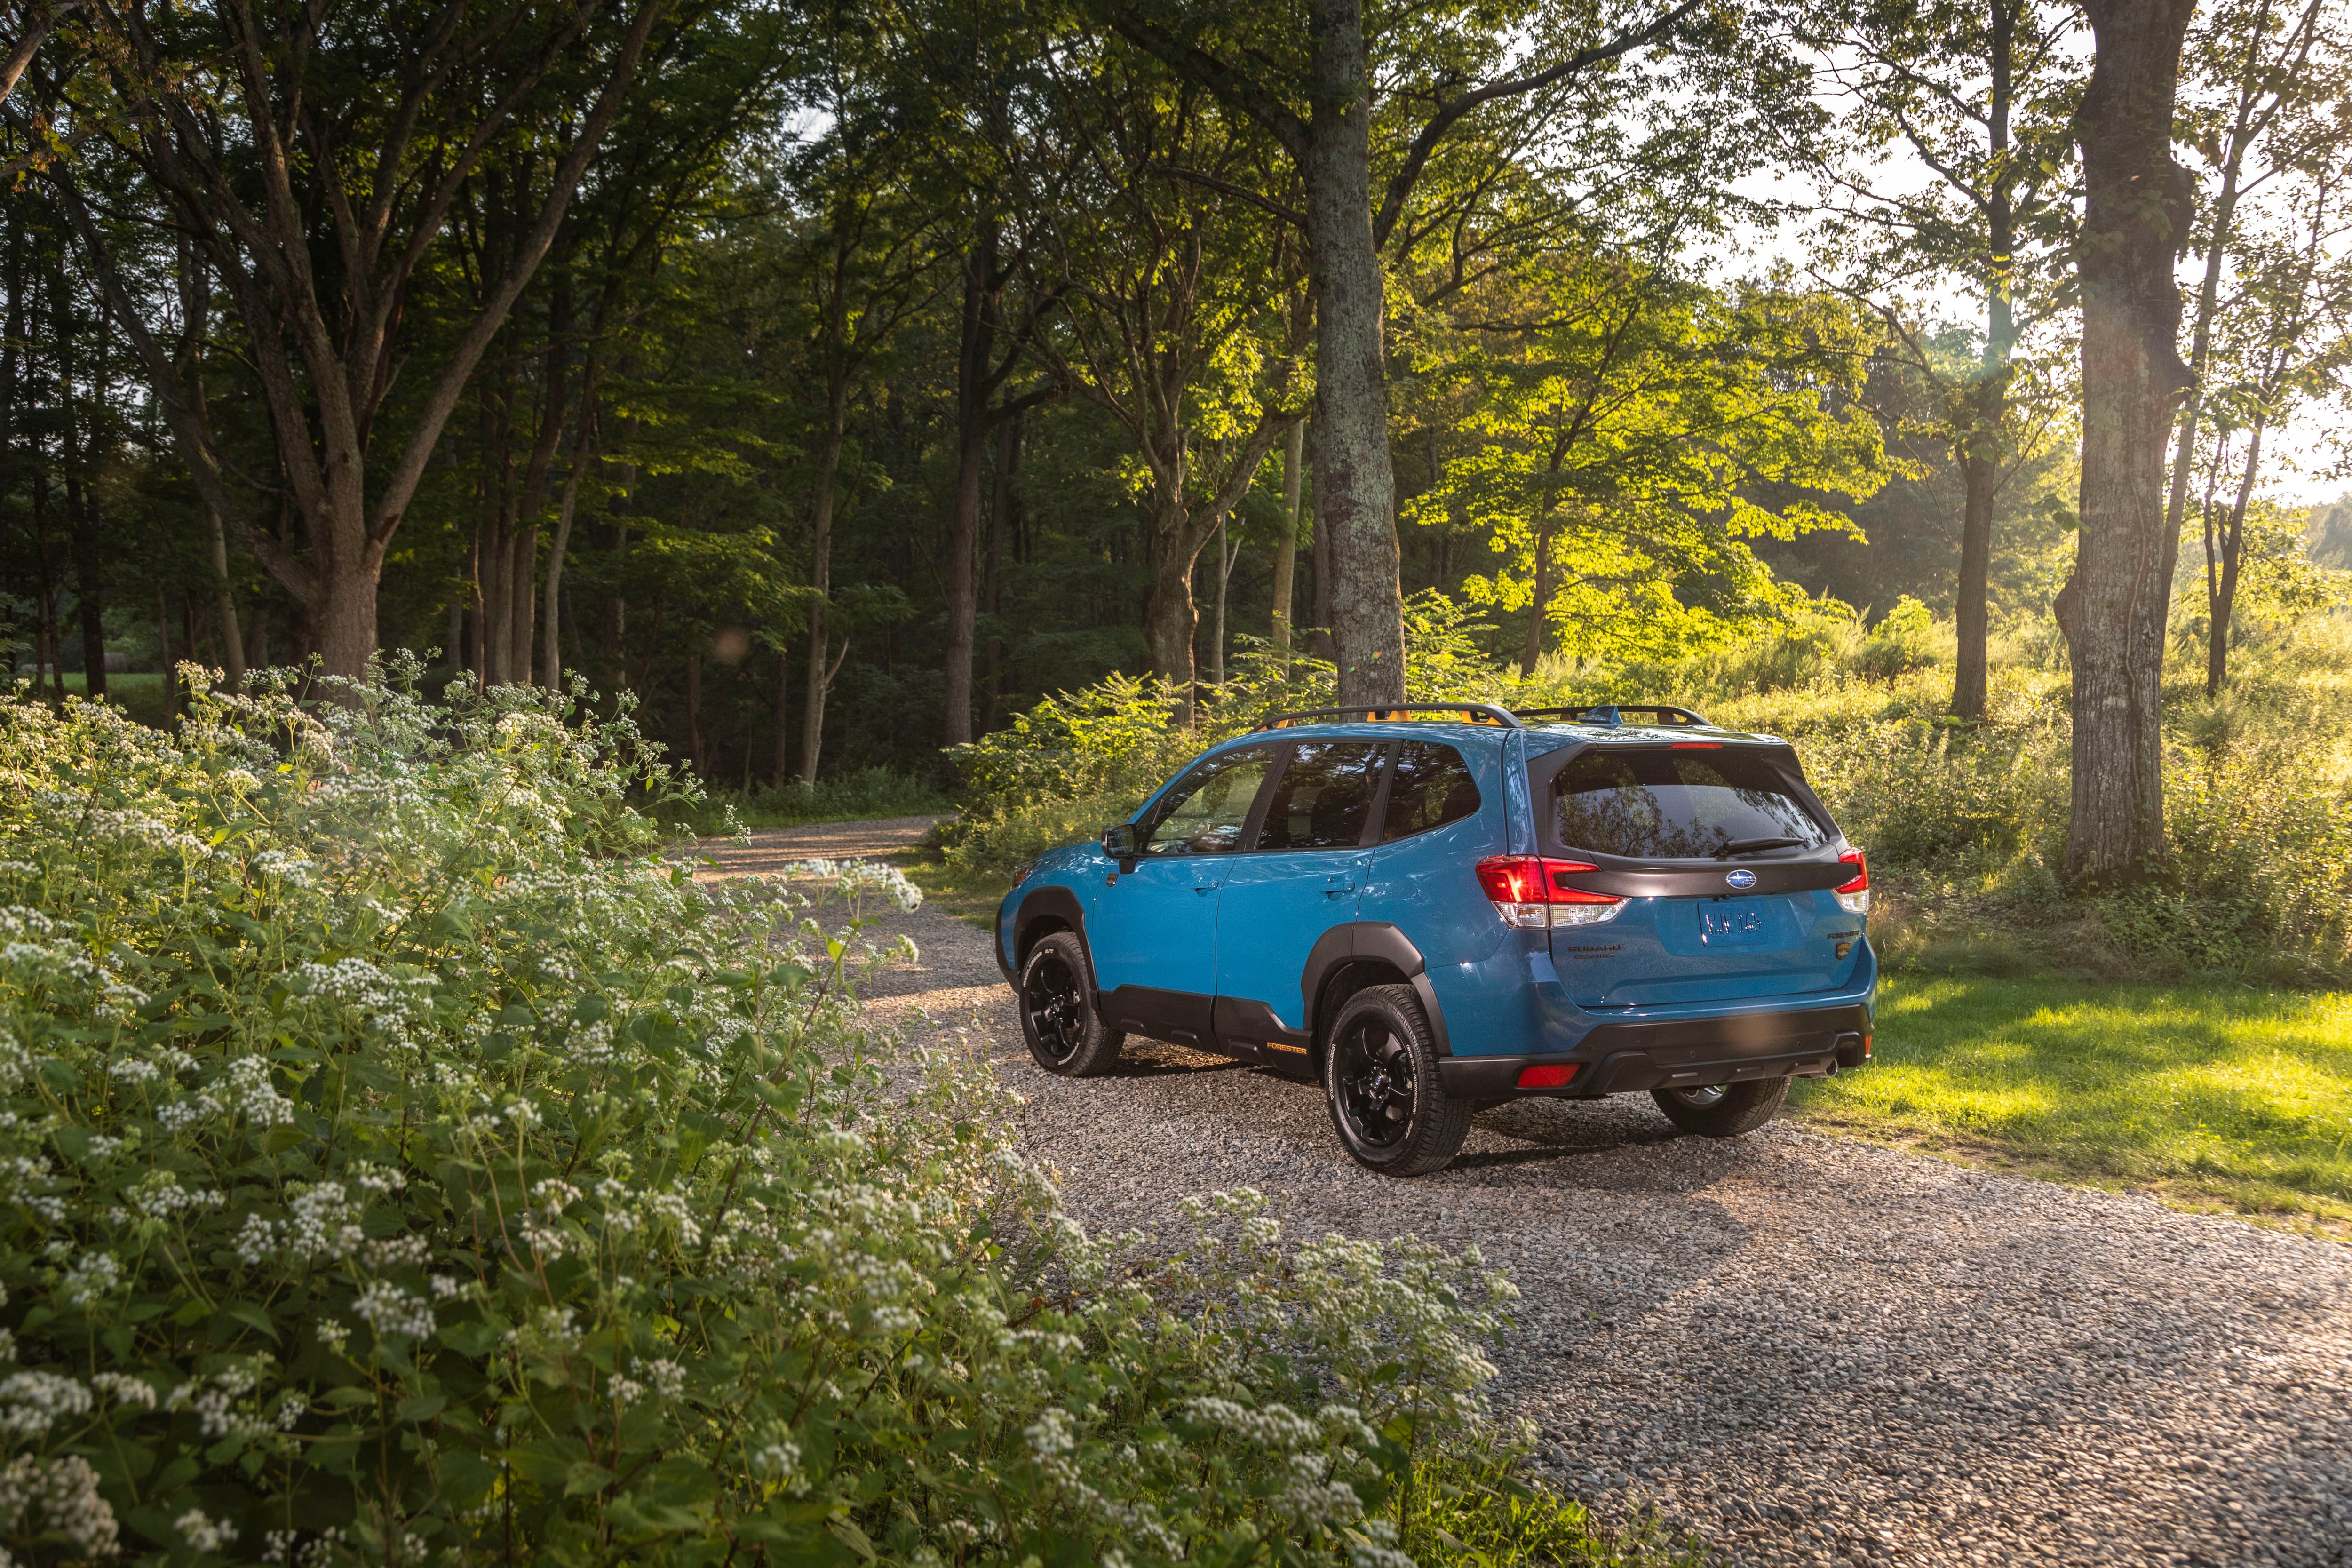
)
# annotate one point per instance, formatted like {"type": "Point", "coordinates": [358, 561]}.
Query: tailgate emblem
{"type": "Point", "coordinates": [1740, 879]}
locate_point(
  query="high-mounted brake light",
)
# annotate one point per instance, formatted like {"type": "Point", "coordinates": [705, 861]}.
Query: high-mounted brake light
{"type": "Point", "coordinates": [1854, 897]}
{"type": "Point", "coordinates": [1695, 746]}
{"type": "Point", "coordinates": [1528, 892]}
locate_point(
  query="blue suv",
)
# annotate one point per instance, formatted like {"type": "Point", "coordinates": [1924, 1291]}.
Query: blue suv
{"type": "Point", "coordinates": [1436, 908]}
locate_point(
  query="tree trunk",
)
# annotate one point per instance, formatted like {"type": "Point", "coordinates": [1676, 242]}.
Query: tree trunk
{"type": "Point", "coordinates": [1355, 489]}
{"type": "Point", "coordinates": [1169, 615]}
{"type": "Point", "coordinates": [1979, 450]}
{"type": "Point", "coordinates": [828, 468]}
{"type": "Point", "coordinates": [1286, 549]}
{"type": "Point", "coordinates": [1971, 608]}
{"type": "Point", "coordinates": [523, 576]}
{"type": "Point", "coordinates": [2113, 608]}
{"type": "Point", "coordinates": [551, 647]}
{"type": "Point", "coordinates": [225, 599]}
{"type": "Point", "coordinates": [694, 700]}
{"type": "Point", "coordinates": [783, 716]}
{"type": "Point", "coordinates": [2224, 556]}
{"type": "Point", "coordinates": [1536, 610]}
{"type": "Point", "coordinates": [1224, 564]}
{"type": "Point", "coordinates": [1002, 500]}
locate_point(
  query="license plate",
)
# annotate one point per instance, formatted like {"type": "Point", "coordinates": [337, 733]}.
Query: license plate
{"type": "Point", "coordinates": [1730, 925]}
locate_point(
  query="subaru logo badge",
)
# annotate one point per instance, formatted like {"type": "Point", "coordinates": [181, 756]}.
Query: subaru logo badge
{"type": "Point", "coordinates": [1740, 879]}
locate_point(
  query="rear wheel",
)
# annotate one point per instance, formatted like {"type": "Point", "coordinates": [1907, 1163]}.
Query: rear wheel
{"type": "Point", "coordinates": [1058, 1011]}
{"type": "Point", "coordinates": [1380, 1077]}
{"type": "Point", "coordinates": [1723, 1110]}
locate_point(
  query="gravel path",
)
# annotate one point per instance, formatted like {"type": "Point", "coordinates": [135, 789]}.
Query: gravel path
{"type": "Point", "coordinates": [1809, 1350]}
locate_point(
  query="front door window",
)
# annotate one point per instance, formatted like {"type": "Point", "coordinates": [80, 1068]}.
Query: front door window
{"type": "Point", "coordinates": [1207, 810]}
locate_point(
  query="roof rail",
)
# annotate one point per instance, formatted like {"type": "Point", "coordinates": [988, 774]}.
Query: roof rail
{"type": "Point", "coordinates": [1611, 714]}
{"type": "Point", "coordinates": [1459, 712]}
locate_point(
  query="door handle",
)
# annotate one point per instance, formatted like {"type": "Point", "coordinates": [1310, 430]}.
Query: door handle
{"type": "Point", "coordinates": [1204, 887]}
{"type": "Point", "coordinates": [1335, 886]}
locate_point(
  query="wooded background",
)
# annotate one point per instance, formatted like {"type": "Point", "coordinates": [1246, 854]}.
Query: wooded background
{"type": "Point", "coordinates": [840, 380]}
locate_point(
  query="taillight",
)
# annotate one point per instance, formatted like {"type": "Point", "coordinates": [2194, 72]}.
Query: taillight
{"type": "Point", "coordinates": [1854, 897]}
{"type": "Point", "coordinates": [1527, 893]}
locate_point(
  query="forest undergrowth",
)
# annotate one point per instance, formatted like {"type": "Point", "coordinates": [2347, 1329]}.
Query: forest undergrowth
{"type": "Point", "coordinates": [406, 1162]}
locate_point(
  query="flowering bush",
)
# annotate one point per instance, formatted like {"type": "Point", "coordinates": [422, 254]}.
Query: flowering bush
{"type": "Point", "coordinates": [403, 1164]}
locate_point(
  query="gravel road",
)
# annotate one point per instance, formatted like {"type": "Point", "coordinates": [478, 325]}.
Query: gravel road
{"type": "Point", "coordinates": [1808, 1350]}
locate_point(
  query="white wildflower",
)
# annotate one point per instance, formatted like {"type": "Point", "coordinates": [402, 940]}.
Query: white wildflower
{"type": "Point", "coordinates": [389, 1310]}
{"type": "Point", "coordinates": [32, 1402]}
{"type": "Point", "coordinates": [202, 1533]}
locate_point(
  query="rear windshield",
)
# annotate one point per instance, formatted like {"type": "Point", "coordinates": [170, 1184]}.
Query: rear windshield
{"type": "Point", "coordinates": [1676, 806]}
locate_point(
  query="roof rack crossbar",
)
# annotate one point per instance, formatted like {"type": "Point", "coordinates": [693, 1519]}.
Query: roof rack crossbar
{"type": "Point", "coordinates": [1463, 712]}
{"type": "Point", "coordinates": [1612, 714]}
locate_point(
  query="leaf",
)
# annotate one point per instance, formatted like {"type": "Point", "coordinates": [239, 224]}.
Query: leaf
{"type": "Point", "coordinates": [851, 1537]}
{"type": "Point", "coordinates": [421, 1408]}
{"type": "Point", "coordinates": [252, 1317]}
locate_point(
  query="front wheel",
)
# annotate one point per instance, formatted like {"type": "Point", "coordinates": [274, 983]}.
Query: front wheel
{"type": "Point", "coordinates": [1065, 1034]}
{"type": "Point", "coordinates": [1723, 1110]}
{"type": "Point", "coordinates": [1381, 1078]}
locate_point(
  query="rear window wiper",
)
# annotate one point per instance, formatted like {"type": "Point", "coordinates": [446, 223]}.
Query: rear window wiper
{"type": "Point", "coordinates": [1743, 845]}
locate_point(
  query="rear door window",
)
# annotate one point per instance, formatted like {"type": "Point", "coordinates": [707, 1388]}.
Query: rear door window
{"type": "Point", "coordinates": [1324, 798]}
{"type": "Point", "coordinates": [1431, 786]}
{"type": "Point", "coordinates": [1680, 805]}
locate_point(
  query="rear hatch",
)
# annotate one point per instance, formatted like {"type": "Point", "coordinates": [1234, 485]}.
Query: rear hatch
{"type": "Point", "coordinates": [1726, 863]}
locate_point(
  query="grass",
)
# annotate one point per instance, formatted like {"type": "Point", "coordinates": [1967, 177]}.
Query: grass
{"type": "Point", "coordinates": [866, 795]}
{"type": "Point", "coordinates": [2211, 1099]}
{"type": "Point", "coordinates": [1473, 1509]}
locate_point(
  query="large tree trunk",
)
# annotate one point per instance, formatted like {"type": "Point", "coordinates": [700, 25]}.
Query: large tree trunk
{"type": "Point", "coordinates": [2113, 608]}
{"type": "Point", "coordinates": [1286, 549]}
{"type": "Point", "coordinates": [1355, 489]}
{"type": "Point", "coordinates": [975, 350]}
{"type": "Point", "coordinates": [1169, 615]}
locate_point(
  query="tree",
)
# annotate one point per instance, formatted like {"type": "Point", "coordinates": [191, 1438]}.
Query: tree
{"type": "Point", "coordinates": [317, 170]}
{"type": "Point", "coordinates": [2113, 608]}
{"type": "Point", "coordinates": [1621, 434]}
{"type": "Point", "coordinates": [1317, 102]}
{"type": "Point", "coordinates": [1173, 318]}
{"type": "Point", "coordinates": [2282, 338]}
{"type": "Point", "coordinates": [1979, 93]}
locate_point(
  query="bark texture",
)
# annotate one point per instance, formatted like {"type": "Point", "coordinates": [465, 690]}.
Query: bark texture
{"type": "Point", "coordinates": [1355, 486]}
{"type": "Point", "coordinates": [2113, 608]}
{"type": "Point", "coordinates": [1285, 550]}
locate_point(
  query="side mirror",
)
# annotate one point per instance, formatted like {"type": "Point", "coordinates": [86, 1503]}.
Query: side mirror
{"type": "Point", "coordinates": [1118, 842]}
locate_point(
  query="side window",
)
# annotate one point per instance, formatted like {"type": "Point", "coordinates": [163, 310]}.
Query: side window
{"type": "Point", "coordinates": [1325, 796]}
{"type": "Point", "coordinates": [1432, 787]}
{"type": "Point", "coordinates": [1205, 813]}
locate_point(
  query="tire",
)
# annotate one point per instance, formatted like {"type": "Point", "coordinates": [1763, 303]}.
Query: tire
{"type": "Point", "coordinates": [1066, 1034]}
{"type": "Point", "coordinates": [1387, 1103]}
{"type": "Point", "coordinates": [1722, 1110]}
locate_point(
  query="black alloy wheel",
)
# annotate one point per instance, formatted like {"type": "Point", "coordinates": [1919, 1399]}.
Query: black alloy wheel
{"type": "Point", "coordinates": [1381, 1078]}
{"type": "Point", "coordinates": [1065, 1035]}
{"type": "Point", "coordinates": [1054, 1006]}
{"type": "Point", "coordinates": [1375, 1076]}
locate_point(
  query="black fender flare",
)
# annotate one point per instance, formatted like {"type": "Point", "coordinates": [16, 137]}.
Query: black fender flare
{"type": "Point", "coordinates": [1381, 943]}
{"type": "Point", "coordinates": [1057, 902]}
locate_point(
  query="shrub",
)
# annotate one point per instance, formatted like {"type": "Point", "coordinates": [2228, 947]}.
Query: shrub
{"type": "Point", "coordinates": [403, 1164]}
{"type": "Point", "coordinates": [1079, 760]}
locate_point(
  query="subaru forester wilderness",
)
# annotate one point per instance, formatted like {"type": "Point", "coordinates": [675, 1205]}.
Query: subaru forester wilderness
{"type": "Point", "coordinates": [1435, 908]}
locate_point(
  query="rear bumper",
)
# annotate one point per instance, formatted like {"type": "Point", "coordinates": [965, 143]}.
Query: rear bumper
{"type": "Point", "coordinates": [1615, 1058]}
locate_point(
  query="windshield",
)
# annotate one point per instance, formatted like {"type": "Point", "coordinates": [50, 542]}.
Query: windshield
{"type": "Point", "coordinates": [1680, 804]}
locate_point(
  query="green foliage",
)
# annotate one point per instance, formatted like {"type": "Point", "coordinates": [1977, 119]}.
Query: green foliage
{"type": "Point", "coordinates": [1622, 440]}
{"type": "Point", "coordinates": [1082, 760]}
{"type": "Point", "coordinates": [404, 1164]}
{"type": "Point", "coordinates": [1470, 1507]}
